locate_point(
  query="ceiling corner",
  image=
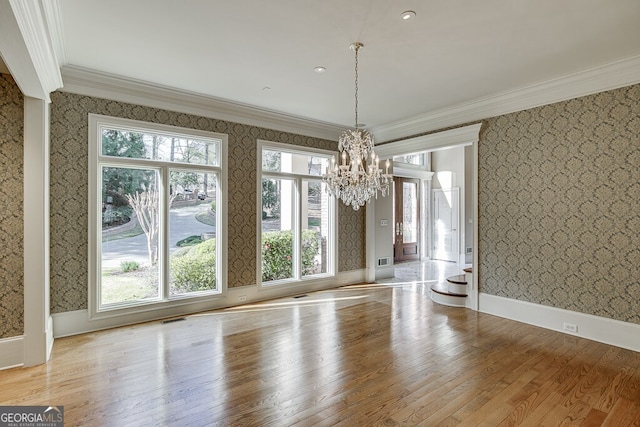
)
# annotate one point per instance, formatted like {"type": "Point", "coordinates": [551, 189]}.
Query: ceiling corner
{"type": "Point", "coordinates": [26, 48]}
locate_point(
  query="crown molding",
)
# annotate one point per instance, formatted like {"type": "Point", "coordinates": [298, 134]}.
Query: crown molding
{"type": "Point", "coordinates": [465, 135]}
{"type": "Point", "coordinates": [53, 19]}
{"type": "Point", "coordinates": [27, 49]}
{"type": "Point", "coordinates": [599, 79]}
{"type": "Point", "coordinates": [83, 81]}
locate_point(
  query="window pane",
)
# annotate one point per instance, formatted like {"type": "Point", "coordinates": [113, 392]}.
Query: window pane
{"type": "Point", "coordinates": [129, 235]}
{"type": "Point", "coordinates": [301, 164]}
{"type": "Point", "coordinates": [410, 212]}
{"type": "Point", "coordinates": [315, 224]}
{"type": "Point", "coordinates": [119, 143]}
{"type": "Point", "coordinates": [270, 160]}
{"type": "Point", "coordinates": [278, 211]}
{"type": "Point", "coordinates": [317, 165]}
{"type": "Point", "coordinates": [192, 232]}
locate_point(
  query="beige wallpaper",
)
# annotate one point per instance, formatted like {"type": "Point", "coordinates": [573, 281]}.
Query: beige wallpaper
{"type": "Point", "coordinates": [559, 205]}
{"type": "Point", "coordinates": [69, 122]}
{"type": "Point", "coordinates": [11, 208]}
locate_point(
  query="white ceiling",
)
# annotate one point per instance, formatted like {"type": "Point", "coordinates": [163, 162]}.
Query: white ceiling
{"type": "Point", "coordinates": [454, 51]}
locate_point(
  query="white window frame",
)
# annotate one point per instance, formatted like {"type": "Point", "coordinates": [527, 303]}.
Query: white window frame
{"type": "Point", "coordinates": [332, 221]}
{"type": "Point", "coordinates": [96, 160]}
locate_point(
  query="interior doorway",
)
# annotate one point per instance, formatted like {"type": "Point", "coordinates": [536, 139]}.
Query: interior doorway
{"type": "Point", "coordinates": [406, 219]}
{"type": "Point", "coordinates": [446, 234]}
{"type": "Point", "coordinates": [380, 237]}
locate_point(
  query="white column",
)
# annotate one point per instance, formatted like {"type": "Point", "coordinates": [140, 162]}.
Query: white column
{"type": "Point", "coordinates": [370, 240]}
{"type": "Point", "coordinates": [38, 328]}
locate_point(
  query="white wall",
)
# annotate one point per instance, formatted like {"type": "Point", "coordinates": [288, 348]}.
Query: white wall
{"type": "Point", "coordinates": [450, 167]}
{"type": "Point", "coordinates": [384, 235]}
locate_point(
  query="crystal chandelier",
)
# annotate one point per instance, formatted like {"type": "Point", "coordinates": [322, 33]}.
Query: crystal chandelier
{"type": "Point", "coordinates": [357, 177]}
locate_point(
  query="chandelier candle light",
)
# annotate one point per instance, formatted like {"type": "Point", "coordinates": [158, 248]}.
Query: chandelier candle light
{"type": "Point", "coordinates": [358, 177]}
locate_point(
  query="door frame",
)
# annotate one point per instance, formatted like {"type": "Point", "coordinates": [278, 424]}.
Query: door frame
{"type": "Point", "coordinates": [462, 136]}
{"type": "Point", "coordinates": [421, 207]}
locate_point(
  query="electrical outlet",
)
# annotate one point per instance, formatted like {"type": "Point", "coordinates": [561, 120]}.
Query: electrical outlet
{"type": "Point", "coordinates": [570, 327]}
{"type": "Point", "coordinates": [242, 298]}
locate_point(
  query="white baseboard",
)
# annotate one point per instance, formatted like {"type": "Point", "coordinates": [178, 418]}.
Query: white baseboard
{"type": "Point", "coordinates": [601, 329]}
{"type": "Point", "coordinates": [11, 352]}
{"type": "Point", "coordinates": [78, 322]}
{"type": "Point", "coordinates": [384, 272]}
{"type": "Point", "coordinates": [49, 336]}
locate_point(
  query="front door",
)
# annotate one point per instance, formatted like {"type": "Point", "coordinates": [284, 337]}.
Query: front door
{"type": "Point", "coordinates": [407, 219]}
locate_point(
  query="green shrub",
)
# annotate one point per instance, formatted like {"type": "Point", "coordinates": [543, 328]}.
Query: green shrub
{"type": "Point", "coordinates": [127, 266]}
{"type": "Point", "coordinates": [277, 254]}
{"type": "Point", "coordinates": [189, 241]}
{"type": "Point", "coordinates": [116, 215]}
{"type": "Point", "coordinates": [193, 268]}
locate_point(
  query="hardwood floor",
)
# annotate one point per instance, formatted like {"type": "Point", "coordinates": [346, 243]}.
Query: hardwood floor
{"type": "Point", "coordinates": [355, 356]}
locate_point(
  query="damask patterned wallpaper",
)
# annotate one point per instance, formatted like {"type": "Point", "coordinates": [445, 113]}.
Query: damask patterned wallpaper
{"type": "Point", "coordinates": [69, 158]}
{"type": "Point", "coordinates": [11, 208]}
{"type": "Point", "coordinates": [559, 205]}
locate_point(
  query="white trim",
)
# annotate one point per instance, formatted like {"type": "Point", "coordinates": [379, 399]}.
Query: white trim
{"type": "Point", "coordinates": [474, 295]}
{"type": "Point", "coordinates": [108, 86]}
{"type": "Point", "coordinates": [601, 329]}
{"type": "Point", "coordinates": [448, 300]}
{"type": "Point", "coordinates": [26, 48]}
{"type": "Point", "coordinates": [53, 19]}
{"type": "Point", "coordinates": [385, 272]}
{"type": "Point", "coordinates": [371, 264]}
{"type": "Point", "coordinates": [49, 336]}
{"type": "Point", "coordinates": [77, 322]}
{"type": "Point", "coordinates": [399, 169]}
{"type": "Point", "coordinates": [11, 352]}
{"type": "Point", "coordinates": [332, 264]}
{"type": "Point", "coordinates": [599, 79]}
{"type": "Point", "coordinates": [169, 305]}
{"type": "Point", "coordinates": [464, 135]}
{"type": "Point", "coordinates": [88, 82]}
{"type": "Point", "coordinates": [36, 231]}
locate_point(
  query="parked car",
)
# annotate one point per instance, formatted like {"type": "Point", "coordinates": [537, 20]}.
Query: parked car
{"type": "Point", "coordinates": [202, 195]}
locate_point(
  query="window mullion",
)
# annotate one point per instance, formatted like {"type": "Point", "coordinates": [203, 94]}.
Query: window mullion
{"type": "Point", "coordinates": [164, 236]}
{"type": "Point", "coordinates": [297, 247]}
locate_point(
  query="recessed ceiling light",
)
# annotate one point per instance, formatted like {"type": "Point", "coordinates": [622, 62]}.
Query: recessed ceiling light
{"type": "Point", "coordinates": [320, 69]}
{"type": "Point", "coordinates": [406, 15]}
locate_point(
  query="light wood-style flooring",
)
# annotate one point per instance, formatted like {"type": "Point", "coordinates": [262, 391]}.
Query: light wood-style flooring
{"type": "Point", "coordinates": [362, 355]}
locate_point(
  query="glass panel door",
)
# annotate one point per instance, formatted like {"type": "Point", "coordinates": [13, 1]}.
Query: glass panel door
{"type": "Point", "coordinates": [407, 217]}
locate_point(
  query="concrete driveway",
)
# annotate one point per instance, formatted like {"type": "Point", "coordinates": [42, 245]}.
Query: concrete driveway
{"type": "Point", "coordinates": [182, 224]}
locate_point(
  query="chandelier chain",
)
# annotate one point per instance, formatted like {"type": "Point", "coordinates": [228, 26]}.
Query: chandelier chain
{"type": "Point", "coordinates": [356, 177]}
{"type": "Point", "coordinates": [356, 49]}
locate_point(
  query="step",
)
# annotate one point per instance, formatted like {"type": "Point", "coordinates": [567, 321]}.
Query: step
{"type": "Point", "coordinates": [444, 289]}
{"type": "Point", "coordinates": [441, 294]}
{"type": "Point", "coordinates": [460, 279]}
{"type": "Point", "coordinates": [468, 270]}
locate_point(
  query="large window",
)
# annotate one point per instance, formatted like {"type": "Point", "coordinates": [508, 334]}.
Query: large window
{"type": "Point", "coordinates": [156, 214]}
{"type": "Point", "coordinates": [298, 215]}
